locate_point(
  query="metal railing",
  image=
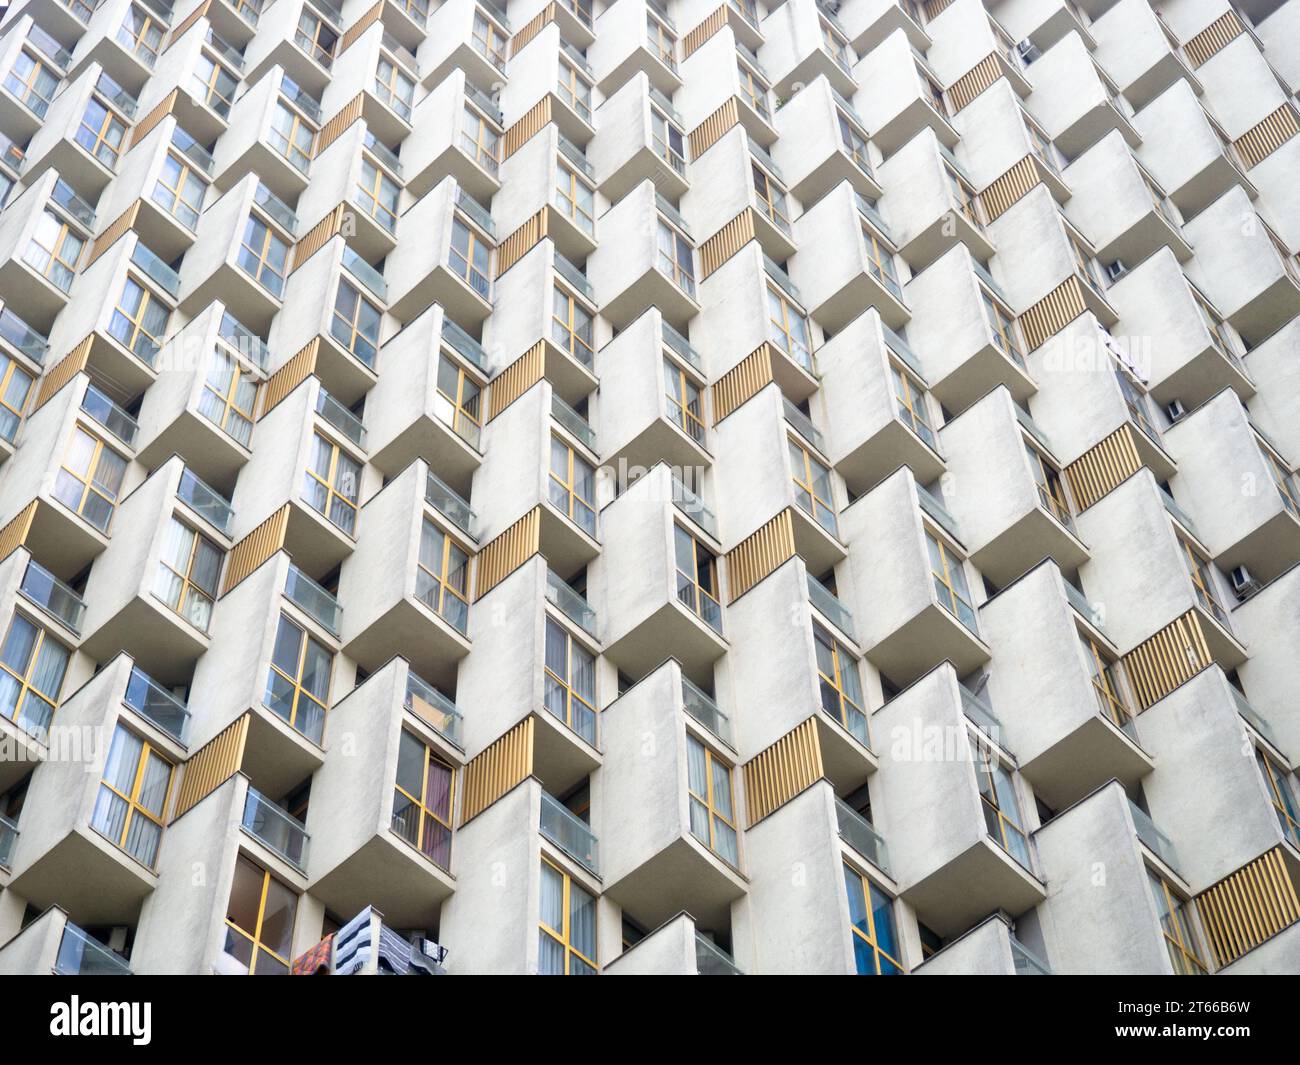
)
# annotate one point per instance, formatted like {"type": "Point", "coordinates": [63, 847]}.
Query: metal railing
{"type": "Point", "coordinates": [702, 707]}
{"type": "Point", "coordinates": [205, 501]}
{"type": "Point", "coordinates": [573, 421]}
{"type": "Point", "coordinates": [148, 698]}
{"type": "Point", "coordinates": [112, 417]}
{"type": "Point", "coordinates": [319, 604]}
{"type": "Point", "coordinates": [572, 605]}
{"type": "Point", "coordinates": [276, 827]}
{"type": "Point", "coordinates": [1155, 840]}
{"type": "Point", "coordinates": [80, 955]}
{"type": "Point", "coordinates": [859, 834]}
{"type": "Point", "coordinates": [41, 587]}
{"type": "Point", "coordinates": [340, 417]}
{"type": "Point", "coordinates": [825, 601]}
{"type": "Point", "coordinates": [569, 833]}
{"type": "Point", "coordinates": [449, 503]}
{"type": "Point", "coordinates": [433, 708]}
{"type": "Point", "coordinates": [712, 960]}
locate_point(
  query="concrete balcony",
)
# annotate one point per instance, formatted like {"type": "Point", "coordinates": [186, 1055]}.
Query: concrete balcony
{"type": "Point", "coordinates": [377, 68]}
{"type": "Point", "coordinates": [976, 859]}
{"type": "Point", "coordinates": [961, 353]}
{"type": "Point", "coordinates": [823, 143]}
{"type": "Point", "coordinates": [456, 131]}
{"type": "Point", "coordinates": [626, 46]}
{"type": "Point", "coordinates": [1267, 624]}
{"type": "Point", "coordinates": [429, 408]}
{"type": "Point", "coordinates": [549, 68]}
{"type": "Point", "coordinates": [53, 944]}
{"type": "Point", "coordinates": [205, 70]}
{"type": "Point", "coordinates": [456, 39]}
{"type": "Point", "coordinates": [736, 174]}
{"type": "Point", "coordinates": [77, 848]}
{"type": "Point", "coordinates": [878, 407]}
{"type": "Point", "coordinates": [1198, 355]}
{"type": "Point", "coordinates": [1044, 22]}
{"type": "Point", "coordinates": [657, 615]}
{"type": "Point", "coordinates": [989, 949]}
{"type": "Point", "coordinates": [799, 48]}
{"type": "Point", "coordinates": [1014, 506]}
{"type": "Point", "coordinates": [273, 128]}
{"type": "Point", "coordinates": [530, 177]}
{"type": "Point", "coordinates": [645, 415]}
{"type": "Point", "coordinates": [671, 863]}
{"type": "Point", "coordinates": [1259, 530]}
{"type": "Point", "coordinates": [868, 22]}
{"type": "Point", "coordinates": [1075, 101]}
{"type": "Point", "coordinates": [856, 264]}
{"type": "Point", "coordinates": [725, 72]}
{"type": "Point", "coordinates": [279, 42]}
{"type": "Point", "coordinates": [898, 95]}
{"type": "Point", "coordinates": [639, 137]}
{"type": "Point", "coordinates": [111, 42]}
{"type": "Point", "coordinates": [371, 843]}
{"type": "Point", "coordinates": [633, 269]}
{"type": "Point", "coordinates": [1140, 53]}
{"type": "Point", "coordinates": [1081, 732]}
{"type": "Point", "coordinates": [407, 583]}
{"type": "Point", "coordinates": [34, 63]}
{"type": "Point", "coordinates": [675, 948]}
{"type": "Point", "coordinates": [41, 245]}
{"type": "Point", "coordinates": [891, 532]}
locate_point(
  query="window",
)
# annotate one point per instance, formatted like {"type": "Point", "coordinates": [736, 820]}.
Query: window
{"type": "Point", "coordinates": [575, 90]}
{"type": "Point", "coordinates": [292, 137]}
{"type": "Point", "coordinates": [1003, 324]}
{"type": "Point", "coordinates": [422, 800]}
{"type": "Point", "coordinates": [932, 91]}
{"type": "Point", "coordinates": [880, 261]}
{"type": "Point", "coordinates": [567, 936]}
{"type": "Point", "coordinates": [489, 41]}
{"type": "Point", "coordinates": [1137, 403]}
{"type": "Point", "coordinates": [180, 191]}
{"type": "Point", "coordinates": [90, 479]}
{"type": "Point", "coordinates": [675, 258]}
{"type": "Point", "coordinates": [1216, 325]}
{"type": "Point", "coordinates": [812, 486]}
{"type": "Point", "coordinates": [788, 328]}
{"type": "Point", "coordinates": [214, 84]}
{"type": "Point", "coordinates": [330, 484]}
{"type": "Point", "coordinates": [315, 38]}
{"type": "Point", "coordinates": [1105, 682]}
{"type": "Point", "coordinates": [458, 399]}
{"type": "Point", "coordinates": [573, 486]}
{"type": "Point", "coordinates": [480, 140]}
{"type": "Point", "coordinates": [1001, 805]}
{"type": "Point", "coordinates": [754, 89]}
{"type": "Point", "coordinates": [228, 396]}
{"type": "Point", "coordinates": [32, 82]}
{"type": "Point", "coordinates": [871, 912]}
{"type": "Point", "coordinates": [968, 202]}
{"type": "Point", "coordinates": [377, 195]}
{"type": "Point", "coordinates": [771, 198]}
{"type": "Point", "coordinates": [469, 256]}
{"type": "Point", "coordinates": [1177, 928]}
{"type": "Point", "coordinates": [950, 581]}
{"type": "Point", "coordinates": [15, 387]}
{"type": "Point", "coordinates": [298, 684]}
{"type": "Point", "coordinates": [575, 198]}
{"type": "Point", "coordinates": [263, 256]}
{"type": "Point", "coordinates": [570, 677]}
{"type": "Point", "coordinates": [662, 42]}
{"type": "Point", "coordinates": [1284, 481]}
{"type": "Point", "coordinates": [54, 250]}
{"type": "Point", "coordinates": [442, 577]}
{"type": "Point", "coordinates": [836, 45]}
{"type": "Point", "coordinates": [187, 573]}
{"type": "Point", "coordinates": [101, 133]}
{"type": "Point", "coordinates": [139, 320]}
{"type": "Point", "coordinates": [356, 323]}
{"type": "Point", "coordinates": [394, 88]}
{"type": "Point", "coordinates": [133, 796]}
{"type": "Point", "coordinates": [840, 685]}
{"type": "Point", "coordinates": [1282, 793]}
{"type": "Point", "coordinates": [712, 811]}
{"type": "Point", "coordinates": [142, 33]}
{"type": "Point", "coordinates": [1200, 571]}
{"type": "Point", "coordinates": [32, 665]}
{"type": "Point", "coordinates": [1041, 145]}
{"type": "Point", "coordinates": [910, 394]}
{"type": "Point", "coordinates": [669, 141]}
{"type": "Point", "coordinates": [259, 921]}
{"type": "Point", "coordinates": [1051, 487]}
{"type": "Point", "coordinates": [854, 141]}
{"type": "Point", "coordinates": [697, 578]}
{"type": "Point", "coordinates": [571, 326]}
{"type": "Point", "coordinates": [685, 401]}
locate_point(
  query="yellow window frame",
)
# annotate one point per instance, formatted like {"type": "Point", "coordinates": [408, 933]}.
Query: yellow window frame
{"type": "Point", "coordinates": [566, 685]}
{"type": "Point", "coordinates": [708, 799]}
{"type": "Point", "coordinates": [703, 581]}
{"type": "Point", "coordinates": [187, 583]}
{"type": "Point", "coordinates": [331, 493]}
{"type": "Point", "coordinates": [1051, 485]}
{"type": "Point", "coordinates": [1180, 941]}
{"type": "Point", "coordinates": [299, 692]}
{"type": "Point", "coordinates": [440, 577]}
{"type": "Point", "coordinates": [567, 184]}
{"type": "Point", "coordinates": [133, 807]}
{"type": "Point", "coordinates": [569, 325]}
{"type": "Point", "coordinates": [228, 395]}
{"type": "Point", "coordinates": [375, 206]}
{"type": "Point", "coordinates": [256, 937]}
{"type": "Point", "coordinates": [137, 320]}
{"type": "Point", "coordinates": [88, 486]}
{"type": "Point", "coordinates": [911, 395]}
{"type": "Point", "coordinates": [569, 484]}
{"type": "Point", "coordinates": [421, 801]}
{"type": "Point", "coordinates": [871, 938]}
{"type": "Point", "coordinates": [485, 144]}
{"type": "Point", "coordinates": [490, 42]}
{"type": "Point", "coordinates": [101, 135]}
{"type": "Point", "coordinates": [805, 480]}
{"type": "Point", "coordinates": [836, 678]}
{"type": "Point", "coordinates": [1106, 684]}
{"type": "Point", "coordinates": [563, 935]}
{"type": "Point", "coordinates": [25, 684]}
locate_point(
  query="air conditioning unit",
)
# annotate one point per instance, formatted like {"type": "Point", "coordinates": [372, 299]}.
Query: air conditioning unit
{"type": "Point", "coordinates": [1116, 270]}
{"type": "Point", "coordinates": [1175, 409]}
{"type": "Point", "coordinates": [1028, 51]}
{"type": "Point", "coordinates": [1243, 584]}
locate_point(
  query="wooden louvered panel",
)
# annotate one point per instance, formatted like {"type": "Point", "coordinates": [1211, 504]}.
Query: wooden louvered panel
{"type": "Point", "coordinates": [256, 547]}
{"type": "Point", "coordinates": [212, 765]}
{"type": "Point", "coordinates": [1263, 139]}
{"type": "Point", "coordinates": [532, 123]}
{"type": "Point", "coordinates": [1170, 658]}
{"type": "Point", "coordinates": [146, 125]}
{"type": "Point", "coordinates": [497, 769]}
{"type": "Point", "coordinates": [1104, 467]}
{"type": "Point", "coordinates": [333, 129]}
{"type": "Point", "coordinates": [1249, 906]}
{"type": "Point", "coordinates": [974, 81]}
{"type": "Point", "coordinates": [516, 379]}
{"type": "Point", "coordinates": [178, 31]}
{"type": "Point", "coordinates": [508, 552]}
{"type": "Point", "coordinates": [1053, 312]}
{"type": "Point", "coordinates": [775, 776]}
{"type": "Point", "coordinates": [760, 553]}
{"type": "Point", "coordinates": [120, 226]}
{"type": "Point", "coordinates": [934, 8]}
{"type": "Point", "coordinates": [318, 236]}
{"type": "Point", "coordinates": [14, 534]}
{"type": "Point", "coordinates": [63, 371]}
{"type": "Point", "coordinates": [522, 241]}
{"type": "Point", "coordinates": [726, 242]}
{"type": "Point", "coordinates": [353, 32]}
{"type": "Point", "coordinates": [1214, 38]}
{"type": "Point", "coordinates": [1014, 183]}
{"type": "Point", "coordinates": [706, 29]}
{"type": "Point", "coordinates": [708, 132]}
{"type": "Point", "coordinates": [742, 382]}
{"type": "Point", "coordinates": [531, 29]}
{"type": "Point", "coordinates": [289, 376]}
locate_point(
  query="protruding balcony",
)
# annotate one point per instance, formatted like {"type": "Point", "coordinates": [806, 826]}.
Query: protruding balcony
{"type": "Point", "coordinates": [43, 238]}
{"type": "Point", "coordinates": [674, 949]}
{"type": "Point", "coordinates": [1076, 102]}
{"type": "Point", "coordinates": [633, 40]}
{"type": "Point", "coordinates": [640, 137]}
{"type": "Point", "coordinates": [465, 35]}
{"type": "Point", "coordinates": [989, 949]}
{"type": "Point", "coordinates": [823, 142]}
{"type": "Point", "coordinates": [53, 944]}
{"type": "Point", "coordinates": [456, 131]}
{"type": "Point", "coordinates": [273, 134]}
{"type": "Point", "coordinates": [900, 94]}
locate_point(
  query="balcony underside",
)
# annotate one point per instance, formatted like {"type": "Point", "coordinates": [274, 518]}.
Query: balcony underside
{"type": "Point", "coordinates": [213, 455]}
{"type": "Point", "coordinates": [978, 375]}
{"type": "Point", "coordinates": [1270, 549]}
{"type": "Point", "coordinates": [1082, 761]}
{"type": "Point", "coordinates": [1204, 375]}
{"type": "Point", "coordinates": [412, 630]}
{"type": "Point", "coordinates": [161, 642]}
{"type": "Point", "coordinates": [671, 631]}
{"type": "Point", "coordinates": [390, 875]}
{"type": "Point", "coordinates": [450, 457]}
{"type": "Point", "coordinates": [978, 882]}
{"type": "Point", "coordinates": [1024, 543]}
{"type": "Point", "coordinates": [918, 645]}
{"type": "Point", "coordinates": [89, 877]}
{"type": "Point", "coordinates": [889, 447]}
{"type": "Point", "coordinates": [684, 876]}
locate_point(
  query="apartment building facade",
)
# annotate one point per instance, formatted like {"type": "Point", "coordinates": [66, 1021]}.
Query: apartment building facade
{"type": "Point", "coordinates": [649, 487]}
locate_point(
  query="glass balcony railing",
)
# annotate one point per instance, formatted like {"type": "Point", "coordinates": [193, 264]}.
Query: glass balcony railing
{"type": "Point", "coordinates": [41, 587]}
{"type": "Point", "coordinates": [936, 510]}
{"type": "Point", "coordinates": [572, 605]}
{"type": "Point", "coordinates": [193, 150]}
{"type": "Point", "coordinates": [1026, 962]}
{"type": "Point", "coordinates": [275, 827]}
{"type": "Point", "coordinates": [693, 507]}
{"type": "Point", "coordinates": [702, 707]}
{"type": "Point", "coordinates": [568, 832]}
{"type": "Point", "coordinates": [66, 198]}
{"type": "Point", "coordinates": [318, 604]}
{"type": "Point", "coordinates": [859, 834]}
{"type": "Point", "coordinates": [279, 211]}
{"type": "Point", "coordinates": [205, 501]}
{"type": "Point", "coordinates": [476, 212]}
{"type": "Point", "coordinates": [573, 421]}
{"type": "Point", "coordinates": [782, 279]}
{"type": "Point", "coordinates": [80, 955]}
{"type": "Point", "coordinates": [341, 418]}
{"type": "Point", "coordinates": [300, 98]}
{"type": "Point", "coordinates": [803, 426]}
{"type": "Point", "coordinates": [365, 273]}
{"type": "Point", "coordinates": [450, 504]}
{"type": "Point", "coordinates": [680, 346]}
{"type": "Point", "coordinates": [244, 340]}
{"type": "Point", "coordinates": [49, 47]}
{"type": "Point", "coordinates": [433, 708]}
{"type": "Point", "coordinates": [824, 600]}
{"type": "Point", "coordinates": [8, 837]}
{"type": "Point", "coordinates": [110, 415]}
{"type": "Point", "coordinates": [981, 715]}
{"type": "Point", "coordinates": [574, 277]}
{"type": "Point", "coordinates": [22, 336]}
{"type": "Point", "coordinates": [149, 699]}
{"type": "Point", "coordinates": [1252, 716]}
{"type": "Point", "coordinates": [1081, 603]}
{"type": "Point", "coordinates": [158, 271]}
{"type": "Point", "coordinates": [464, 344]}
{"type": "Point", "coordinates": [712, 960]}
{"type": "Point", "coordinates": [117, 96]}
{"type": "Point", "coordinates": [1155, 840]}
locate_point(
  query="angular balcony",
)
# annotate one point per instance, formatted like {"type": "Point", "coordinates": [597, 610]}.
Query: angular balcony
{"type": "Point", "coordinates": [53, 944]}
{"type": "Point", "coordinates": [631, 41]}
{"type": "Point", "coordinates": [900, 94]}
{"type": "Point", "coordinates": [989, 949]}
{"type": "Point", "coordinates": [823, 143]}
{"type": "Point", "coordinates": [34, 64]}
{"type": "Point", "coordinates": [977, 857]}
{"type": "Point", "coordinates": [375, 74]}
{"type": "Point", "coordinates": [381, 820]}
{"type": "Point", "coordinates": [674, 949]}
{"type": "Point", "coordinates": [273, 134]}
{"type": "Point", "coordinates": [125, 43]}
{"type": "Point", "coordinates": [917, 577]}
{"type": "Point", "coordinates": [553, 183]}
{"type": "Point", "coordinates": [552, 75]}
{"type": "Point", "coordinates": [640, 137]}
{"type": "Point", "coordinates": [301, 38]}
{"type": "Point", "coordinates": [42, 241]}
{"type": "Point", "coordinates": [1075, 100]}
{"type": "Point", "coordinates": [205, 71]}
{"type": "Point", "coordinates": [1140, 53]}
{"type": "Point", "coordinates": [806, 41]}
{"type": "Point", "coordinates": [469, 36]}
{"type": "Point", "coordinates": [407, 582]}
{"type": "Point", "coordinates": [1080, 732]}
{"type": "Point", "coordinates": [457, 131]}
{"type": "Point", "coordinates": [1269, 630]}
